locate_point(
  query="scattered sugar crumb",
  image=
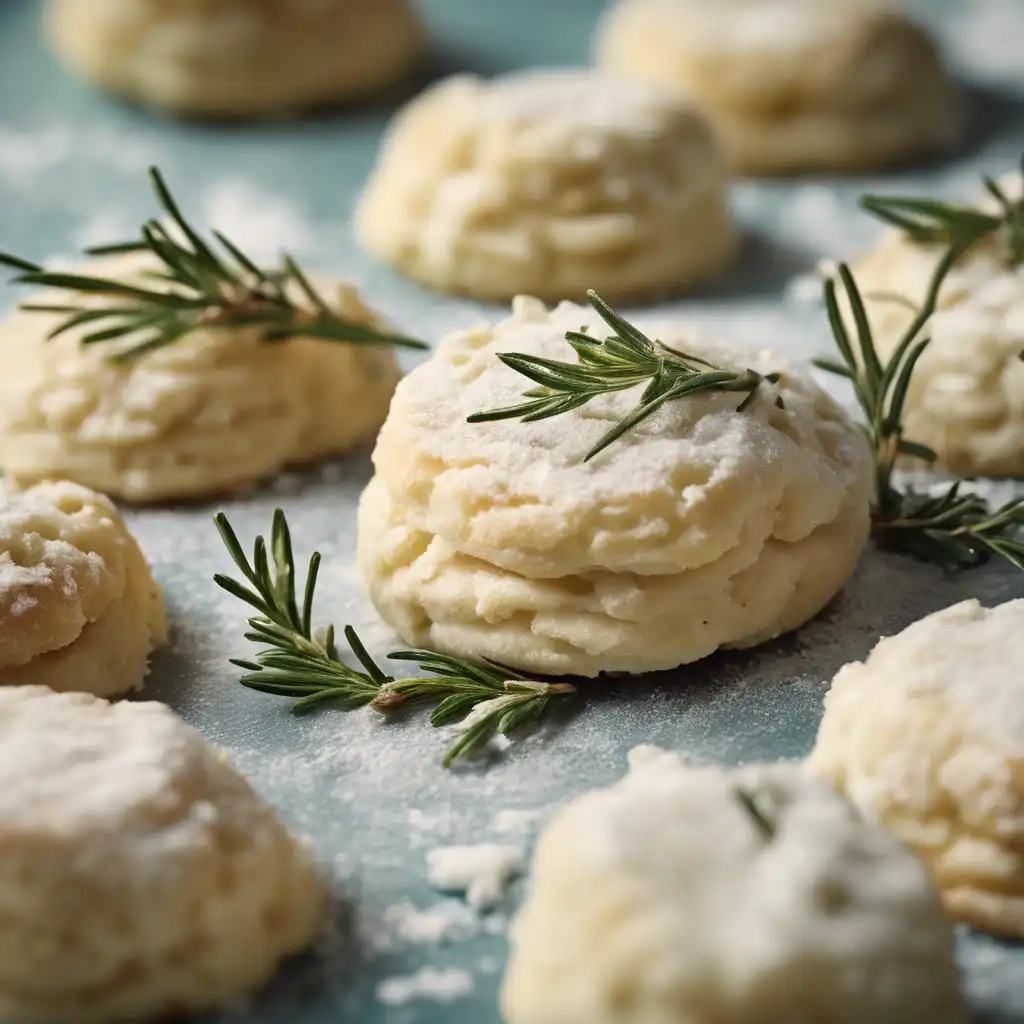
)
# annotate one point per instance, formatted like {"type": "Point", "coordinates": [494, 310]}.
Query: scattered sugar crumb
{"type": "Point", "coordinates": [515, 821]}
{"type": "Point", "coordinates": [496, 924]}
{"type": "Point", "coordinates": [482, 872]}
{"type": "Point", "coordinates": [445, 985]}
{"type": "Point", "coordinates": [447, 921]}
{"type": "Point", "coordinates": [806, 289]}
{"type": "Point", "coordinates": [488, 965]}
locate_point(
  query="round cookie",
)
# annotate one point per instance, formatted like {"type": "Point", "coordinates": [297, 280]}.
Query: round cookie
{"type": "Point", "coordinates": [704, 527]}
{"type": "Point", "coordinates": [79, 609]}
{"type": "Point", "coordinates": [141, 875]}
{"type": "Point", "coordinates": [214, 58]}
{"type": "Point", "coordinates": [927, 737]}
{"type": "Point", "coordinates": [793, 85]}
{"type": "Point", "coordinates": [549, 183]}
{"type": "Point", "coordinates": [216, 410]}
{"type": "Point", "coordinates": [966, 397]}
{"type": "Point", "coordinates": [667, 898]}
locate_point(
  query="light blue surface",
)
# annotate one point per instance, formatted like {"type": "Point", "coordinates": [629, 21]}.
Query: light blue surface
{"type": "Point", "coordinates": [373, 796]}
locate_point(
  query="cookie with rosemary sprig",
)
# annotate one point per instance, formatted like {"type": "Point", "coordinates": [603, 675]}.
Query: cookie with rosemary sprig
{"type": "Point", "coordinates": [750, 896]}
{"type": "Point", "coordinates": [174, 366]}
{"type": "Point", "coordinates": [966, 398]}
{"type": "Point", "coordinates": [567, 494]}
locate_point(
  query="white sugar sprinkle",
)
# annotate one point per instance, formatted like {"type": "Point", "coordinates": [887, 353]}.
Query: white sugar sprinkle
{"type": "Point", "coordinates": [444, 986]}
{"type": "Point", "coordinates": [482, 872]}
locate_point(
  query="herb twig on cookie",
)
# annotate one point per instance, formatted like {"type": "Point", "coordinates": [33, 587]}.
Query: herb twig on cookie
{"type": "Point", "coordinates": [930, 221]}
{"type": "Point", "coordinates": [952, 529]}
{"type": "Point", "coordinates": [195, 284]}
{"type": "Point", "coordinates": [302, 662]}
{"type": "Point", "coordinates": [623, 360]}
{"type": "Point", "coordinates": [764, 823]}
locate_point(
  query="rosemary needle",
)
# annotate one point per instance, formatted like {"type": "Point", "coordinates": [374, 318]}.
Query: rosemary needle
{"type": "Point", "coordinates": [952, 529]}
{"type": "Point", "coordinates": [762, 822]}
{"type": "Point", "coordinates": [931, 221]}
{"type": "Point", "coordinates": [300, 662]}
{"type": "Point", "coordinates": [621, 361]}
{"type": "Point", "coordinates": [196, 284]}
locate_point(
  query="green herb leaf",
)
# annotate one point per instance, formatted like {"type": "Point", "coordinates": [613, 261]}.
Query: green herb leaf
{"type": "Point", "coordinates": [957, 531]}
{"type": "Point", "coordinates": [304, 664]}
{"type": "Point", "coordinates": [194, 288]}
{"type": "Point", "coordinates": [623, 360]}
{"type": "Point", "coordinates": [932, 222]}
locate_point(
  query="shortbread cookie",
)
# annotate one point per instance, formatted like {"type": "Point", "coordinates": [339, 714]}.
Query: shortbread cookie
{"type": "Point", "coordinates": [704, 527]}
{"type": "Point", "coordinates": [753, 896]}
{"type": "Point", "coordinates": [79, 609]}
{"type": "Point", "coordinates": [549, 183]}
{"type": "Point", "coordinates": [793, 85]}
{"type": "Point", "coordinates": [237, 57]}
{"type": "Point", "coordinates": [141, 876]}
{"type": "Point", "coordinates": [966, 397]}
{"type": "Point", "coordinates": [216, 410]}
{"type": "Point", "coordinates": [927, 737]}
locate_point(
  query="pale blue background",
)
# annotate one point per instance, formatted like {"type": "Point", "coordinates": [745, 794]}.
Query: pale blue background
{"type": "Point", "coordinates": [374, 797]}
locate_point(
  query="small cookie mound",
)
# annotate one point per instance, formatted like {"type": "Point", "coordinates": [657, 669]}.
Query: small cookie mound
{"type": "Point", "coordinates": [793, 85]}
{"type": "Point", "coordinates": [966, 397]}
{"type": "Point", "coordinates": [79, 609]}
{"type": "Point", "coordinates": [927, 737]}
{"type": "Point", "coordinates": [237, 58]}
{"type": "Point", "coordinates": [549, 183]}
{"type": "Point", "coordinates": [669, 898]}
{"type": "Point", "coordinates": [702, 528]}
{"type": "Point", "coordinates": [141, 875]}
{"type": "Point", "coordinates": [216, 410]}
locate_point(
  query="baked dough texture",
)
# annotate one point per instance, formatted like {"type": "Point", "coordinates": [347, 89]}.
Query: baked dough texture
{"type": "Point", "coordinates": [701, 528]}
{"type": "Point", "coordinates": [79, 608]}
{"type": "Point", "coordinates": [212, 58]}
{"type": "Point", "coordinates": [141, 875]}
{"type": "Point", "coordinates": [966, 398]}
{"type": "Point", "coordinates": [793, 85]}
{"type": "Point", "coordinates": [927, 737]}
{"type": "Point", "coordinates": [217, 410]}
{"type": "Point", "coordinates": [549, 183]}
{"type": "Point", "coordinates": [660, 901]}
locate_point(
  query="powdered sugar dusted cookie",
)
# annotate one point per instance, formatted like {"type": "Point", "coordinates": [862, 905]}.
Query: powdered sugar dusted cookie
{"type": "Point", "coordinates": [549, 183]}
{"type": "Point", "coordinates": [237, 57]}
{"type": "Point", "coordinates": [966, 398]}
{"type": "Point", "coordinates": [142, 876]}
{"type": "Point", "coordinates": [755, 897]}
{"type": "Point", "coordinates": [215, 410]}
{"type": "Point", "coordinates": [79, 609]}
{"type": "Point", "coordinates": [793, 85]}
{"type": "Point", "coordinates": [927, 737]}
{"type": "Point", "coordinates": [703, 527]}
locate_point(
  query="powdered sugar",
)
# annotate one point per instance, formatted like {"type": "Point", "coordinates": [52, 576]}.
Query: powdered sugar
{"type": "Point", "coordinates": [482, 872]}
{"type": "Point", "coordinates": [442, 985]}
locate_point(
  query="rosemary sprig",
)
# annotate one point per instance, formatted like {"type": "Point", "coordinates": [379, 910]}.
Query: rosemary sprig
{"type": "Point", "coordinates": [930, 221]}
{"type": "Point", "coordinates": [953, 529]}
{"type": "Point", "coordinates": [194, 286]}
{"type": "Point", "coordinates": [303, 663]}
{"type": "Point", "coordinates": [621, 361]}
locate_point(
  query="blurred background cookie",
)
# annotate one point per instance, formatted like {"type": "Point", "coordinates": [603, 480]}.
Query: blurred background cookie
{"type": "Point", "coordinates": [213, 58]}
{"type": "Point", "coordinates": [548, 183]}
{"type": "Point", "coordinates": [793, 85]}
